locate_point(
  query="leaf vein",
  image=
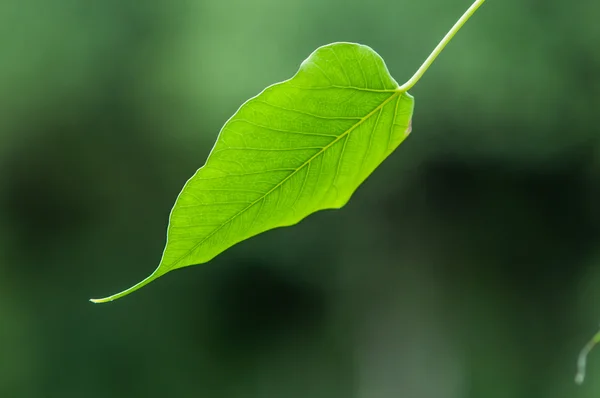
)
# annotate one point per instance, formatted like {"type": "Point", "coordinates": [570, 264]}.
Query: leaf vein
{"type": "Point", "coordinates": [308, 113]}
{"type": "Point", "coordinates": [362, 162]}
{"type": "Point", "coordinates": [392, 124]}
{"type": "Point", "coordinates": [241, 148]}
{"type": "Point", "coordinates": [341, 66]}
{"type": "Point", "coordinates": [369, 90]}
{"type": "Point", "coordinates": [280, 130]}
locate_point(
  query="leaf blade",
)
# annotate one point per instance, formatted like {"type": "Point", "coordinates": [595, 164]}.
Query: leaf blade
{"type": "Point", "coordinates": [323, 131]}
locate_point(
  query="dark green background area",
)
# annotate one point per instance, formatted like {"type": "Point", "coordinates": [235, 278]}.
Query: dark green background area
{"type": "Point", "coordinates": [467, 266]}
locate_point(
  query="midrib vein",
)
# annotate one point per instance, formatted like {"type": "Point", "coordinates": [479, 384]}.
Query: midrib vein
{"type": "Point", "coordinates": [341, 136]}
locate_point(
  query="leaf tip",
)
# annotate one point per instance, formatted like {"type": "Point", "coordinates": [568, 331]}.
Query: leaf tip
{"type": "Point", "coordinates": [132, 289]}
{"type": "Point", "coordinates": [99, 301]}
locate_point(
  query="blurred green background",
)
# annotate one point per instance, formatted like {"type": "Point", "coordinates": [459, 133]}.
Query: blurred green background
{"type": "Point", "coordinates": [467, 266]}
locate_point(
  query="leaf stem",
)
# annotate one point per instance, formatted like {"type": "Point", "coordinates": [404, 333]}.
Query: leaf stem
{"type": "Point", "coordinates": [582, 359]}
{"type": "Point", "coordinates": [459, 24]}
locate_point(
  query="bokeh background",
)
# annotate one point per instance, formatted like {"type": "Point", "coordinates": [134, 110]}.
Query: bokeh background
{"type": "Point", "coordinates": [467, 266]}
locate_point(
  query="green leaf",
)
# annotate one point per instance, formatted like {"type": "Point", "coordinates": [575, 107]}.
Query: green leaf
{"type": "Point", "coordinates": [300, 146]}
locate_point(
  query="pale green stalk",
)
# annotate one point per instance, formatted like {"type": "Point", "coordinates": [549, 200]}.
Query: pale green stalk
{"type": "Point", "coordinates": [459, 24]}
{"type": "Point", "coordinates": [581, 361]}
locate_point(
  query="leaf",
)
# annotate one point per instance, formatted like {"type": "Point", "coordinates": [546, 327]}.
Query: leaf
{"type": "Point", "coordinates": [300, 146]}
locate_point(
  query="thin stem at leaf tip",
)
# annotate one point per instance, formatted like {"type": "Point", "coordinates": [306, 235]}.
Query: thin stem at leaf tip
{"type": "Point", "coordinates": [132, 289]}
{"type": "Point", "coordinates": [436, 51]}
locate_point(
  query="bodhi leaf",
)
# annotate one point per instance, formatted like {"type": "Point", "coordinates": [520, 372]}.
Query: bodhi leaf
{"type": "Point", "coordinates": [302, 145]}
